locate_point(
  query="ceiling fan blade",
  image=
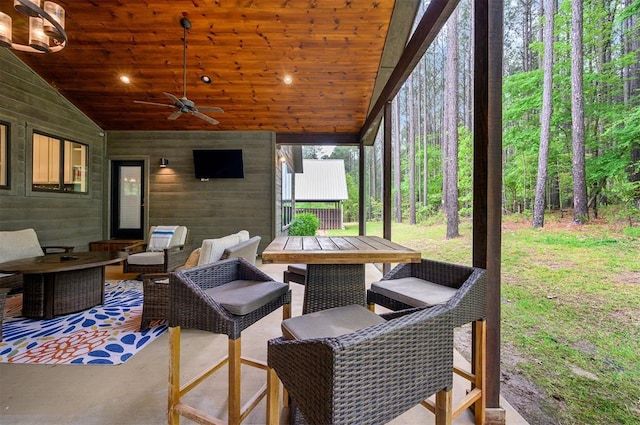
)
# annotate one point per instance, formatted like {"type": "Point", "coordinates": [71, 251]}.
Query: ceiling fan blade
{"type": "Point", "coordinates": [210, 109]}
{"type": "Point", "coordinates": [177, 102]}
{"type": "Point", "coordinates": [154, 103]}
{"type": "Point", "coordinates": [175, 115]}
{"type": "Point", "coordinates": [205, 117]}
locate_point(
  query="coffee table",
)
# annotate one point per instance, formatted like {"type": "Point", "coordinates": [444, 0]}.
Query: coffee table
{"type": "Point", "coordinates": [57, 284]}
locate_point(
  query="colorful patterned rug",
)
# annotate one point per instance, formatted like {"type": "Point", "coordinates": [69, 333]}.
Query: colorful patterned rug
{"type": "Point", "coordinates": [105, 335]}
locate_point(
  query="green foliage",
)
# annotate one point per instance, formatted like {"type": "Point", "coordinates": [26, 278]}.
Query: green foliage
{"type": "Point", "coordinates": [304, 224]}
{"type": "Point", "coordinates": [350, 206]}
{"type": "Point", "coordinates": [568, 312]}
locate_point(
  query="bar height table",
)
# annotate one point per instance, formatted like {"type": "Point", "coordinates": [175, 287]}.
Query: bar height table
{"type": "Point", "coordinates": [335, 265]}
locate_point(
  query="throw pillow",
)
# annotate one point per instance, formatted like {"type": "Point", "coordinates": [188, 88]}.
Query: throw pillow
{"type": "Point", "coordinates": [193, 259]}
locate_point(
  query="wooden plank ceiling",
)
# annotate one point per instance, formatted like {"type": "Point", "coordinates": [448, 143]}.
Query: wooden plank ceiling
{"type": "Point", "coordinates": [331, 48]}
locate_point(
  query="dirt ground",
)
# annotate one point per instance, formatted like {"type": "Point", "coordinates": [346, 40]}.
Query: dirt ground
{"type": "Point", "coordinates": [524, 396]}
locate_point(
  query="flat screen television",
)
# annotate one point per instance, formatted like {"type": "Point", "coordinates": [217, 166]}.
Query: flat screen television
{"type": "Point", "coordinates": [218, 163]}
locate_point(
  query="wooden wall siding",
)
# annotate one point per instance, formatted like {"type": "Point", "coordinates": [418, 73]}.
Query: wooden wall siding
{"type": "Point", "coordinates": [28, 103]}
{"type": "Point", "coordinates": [213, 208]}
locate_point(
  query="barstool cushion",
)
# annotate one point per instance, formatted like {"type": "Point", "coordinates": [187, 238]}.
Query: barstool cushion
{"type": "Point", "coordinates": [329, 323]}
{"type": "Point", "coordinates": [241, 297]}
{"type": "Point", "coordinates": [297, 268]}
{"type": "Point", "coordinates": [414, 291]}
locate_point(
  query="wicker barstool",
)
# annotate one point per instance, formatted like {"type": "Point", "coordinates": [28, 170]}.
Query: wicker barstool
{"type": "Point", "coordinates": [346, 365]}
{"type": "Point", "coordinates": [462, 289]}
{"type": "Point", "coordinates": [224, 297]}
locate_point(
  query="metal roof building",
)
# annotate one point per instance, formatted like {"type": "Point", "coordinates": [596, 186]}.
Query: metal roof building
{"type": "Point", "coordinates": [321, 181]}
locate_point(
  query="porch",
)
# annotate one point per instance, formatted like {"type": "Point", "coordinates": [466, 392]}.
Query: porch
{"type": "Point", "coordinates": [136, 391]}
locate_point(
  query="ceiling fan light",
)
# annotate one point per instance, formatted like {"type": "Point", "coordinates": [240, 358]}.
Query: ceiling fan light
{"type": "Point", "coordinates": [26, 7]}
{"type": "Point", "coordinates": [57, 13]}
{"type": "Point", "coordinates": [5, 30]}
{"type": "Point", "coordinates": [37, 38]}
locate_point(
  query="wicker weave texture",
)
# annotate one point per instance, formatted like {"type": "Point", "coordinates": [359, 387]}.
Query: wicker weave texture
{"type": "Point", "coordinates": [469, 302]}
{"type": "Point", "coordinates": [333, 285]}
{"type": "Point", "coordinates": [66, 292]}
{"type": "Point", "coordinates": [369, 376]}
{"type": "Point", "coordinates": [13, 281]}
{"type": "Point", "coordinates": [3, 298]}
{"type": "Point", "coordinates": [156, 299]}
{"type": "Point", "coordinates": [191, 307]}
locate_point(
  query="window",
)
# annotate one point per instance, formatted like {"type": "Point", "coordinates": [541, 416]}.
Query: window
{"type": "Point", "coordinates": [4, 156]}
{"type": "Point", "coordinates": [59, 165]}
{"type": "Point", "coordinates": [287, 196]}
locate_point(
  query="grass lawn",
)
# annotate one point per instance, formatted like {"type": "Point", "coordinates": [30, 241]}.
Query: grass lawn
{"type": "Point", "coordinates": [570, 310]}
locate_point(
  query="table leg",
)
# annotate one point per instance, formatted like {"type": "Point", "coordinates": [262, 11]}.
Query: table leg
{"type": "Point", "coordinates": [333, 285]}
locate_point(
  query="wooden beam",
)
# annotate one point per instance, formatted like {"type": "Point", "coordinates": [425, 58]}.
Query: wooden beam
{"type": "Point", "coordinates": [315, 139]}
{"type": "Point", "coordinates": [430, 25]}
{"type": "Point", "coordinates": [494, 196]}
{"type": "Point", "coordinates": [386, 179]}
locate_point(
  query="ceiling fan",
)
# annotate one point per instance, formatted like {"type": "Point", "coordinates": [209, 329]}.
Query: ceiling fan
{"type": "Point", "coordinates": [183, 104]}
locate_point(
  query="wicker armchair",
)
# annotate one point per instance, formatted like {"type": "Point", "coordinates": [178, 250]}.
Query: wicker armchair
{"type": "Point", "coordinates": [460, 288]}
{"type": "Point", "coordinates": [370, 375]}
{"type": "Point", "coordinates": [142, 259]}
{"type": "Point", "coordinates": [224, 297]}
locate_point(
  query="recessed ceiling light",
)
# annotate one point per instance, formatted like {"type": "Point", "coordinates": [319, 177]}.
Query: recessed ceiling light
{"type": "Point", "coordinates": [287, 79]}
{"type": "Point", "coordinates": [205, 79]}
{"type": "Point", "coordinates": [125, 79]}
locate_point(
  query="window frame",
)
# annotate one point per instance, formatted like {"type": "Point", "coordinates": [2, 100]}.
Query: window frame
{"type": "Point", "coordinates": [63, 186]}
{"type": "Point", "coordinates": [5, 152]}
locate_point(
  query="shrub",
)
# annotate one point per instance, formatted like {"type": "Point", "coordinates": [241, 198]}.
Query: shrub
{"type": "Point", "coordinates": [305, 224]}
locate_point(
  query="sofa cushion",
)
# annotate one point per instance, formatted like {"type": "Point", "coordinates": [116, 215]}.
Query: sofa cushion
{"type": "Point", "coordinates": [241, 297]}
{"type": "Point", "coordinates": [212, 249]}
{"type": "Point", "coordinates": [414, 291]}
{"type": "Point", "coordinates": [18, 244]}
{"type": "Point", "coordinates": [146, 258]}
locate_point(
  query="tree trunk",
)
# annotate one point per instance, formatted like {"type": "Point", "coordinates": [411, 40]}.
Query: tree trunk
{"type": "Point", "coordinates": [450, 153]}
{"type": "Point", "coordinates": [545, 117]}
{"type": "Point", "coordinates": [580, 207]}
{"type": "Point", "coordinates": [397, 207]}
{"type": "Point", "coordinates": [412, 153]}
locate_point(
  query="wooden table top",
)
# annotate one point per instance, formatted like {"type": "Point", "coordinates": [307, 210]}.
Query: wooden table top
{"type": "Point", "coordinates": [337, 250]}
{"type": "Point", "coordinates": [53, 263]}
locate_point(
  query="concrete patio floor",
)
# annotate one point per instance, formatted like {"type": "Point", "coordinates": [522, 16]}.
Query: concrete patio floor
{"type": "Point", "coordinates": [136, 392]}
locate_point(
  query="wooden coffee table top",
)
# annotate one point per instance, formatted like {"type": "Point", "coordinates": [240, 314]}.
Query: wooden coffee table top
{"type": "Point", "coordinates": [337, 250]}
{"type": "Point", "coordinates": [52, 263]}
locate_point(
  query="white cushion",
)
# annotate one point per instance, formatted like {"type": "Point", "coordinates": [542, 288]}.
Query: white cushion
{"type": "Point", "coordinates": [414, 291]}
{"type": "Point", "coordinates": [212, 249]}
{"type": "Point", "coordinates": [179, 237]}
{"type": "Point", "coordinates": [19, 244]}
{"type": "Point", "coordinates": [146, 258]}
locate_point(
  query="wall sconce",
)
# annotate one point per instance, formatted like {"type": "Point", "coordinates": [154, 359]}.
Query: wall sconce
{"type": "Point", "coordinates": [164, 162]}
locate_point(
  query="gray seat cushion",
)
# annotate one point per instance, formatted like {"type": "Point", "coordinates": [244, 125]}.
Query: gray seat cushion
{"type": "Point", "coordinates": [414, 291]}
{"type": "Point", "coordinates": [330, 323]}
{"type": "Point", "coordinates": [240, 297]}
{"type": "Point", "coordinates": [297, 268]}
